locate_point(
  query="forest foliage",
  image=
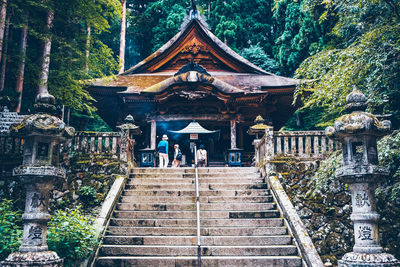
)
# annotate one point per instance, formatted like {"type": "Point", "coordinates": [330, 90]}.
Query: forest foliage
{"type": "Point", "coordinates": [364, 51]}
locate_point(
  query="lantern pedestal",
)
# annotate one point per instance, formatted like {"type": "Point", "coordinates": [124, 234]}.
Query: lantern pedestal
{"type": "Point", "coordinates": [366, 251]}
{"type": "Point", "coordinates": [29, 259]}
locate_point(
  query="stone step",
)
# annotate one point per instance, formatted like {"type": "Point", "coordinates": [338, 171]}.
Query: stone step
{"type": "Point", "coordinates": [192, 170]}
{"type": "Point", "coordinates": [205, 240]}
{"type": "Point", "coordinates": [187, 214]}
{"type": "Point", "coordinates": [226, 169]}
{"type": "Point", "coordinates": [160, 222]}
{"type": "Point", "coordinates": [155, 221]}
{"type": "Point", "coordinates": [156, 207]}
{"type": "Point", "coordinates": [159, 175]}
{"type": "Point", "coordinates": [207, 261]}
{"type": "Point", "coordinates": [172, 180]}
{"type": "Point", "coordinates": [177, 192]}
{"type": "Point", "coordinates": [172, 250]}
{"type": "Point", "coordinates": [186, 199]}
{"type": "Point", "coordinates": [184, 230]}
{"type": "Point", "coordinates": [214, 186]}
{"type": "Point", "coordinates": [192, 206]}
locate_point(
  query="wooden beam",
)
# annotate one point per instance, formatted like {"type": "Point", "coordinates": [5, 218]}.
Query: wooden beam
{"type": "Point", "coordinates": [189, 117]}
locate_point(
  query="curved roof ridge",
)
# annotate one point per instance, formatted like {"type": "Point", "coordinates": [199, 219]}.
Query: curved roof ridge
{"type": "Point", "coordinates": [231, 52]}
{"type": "Point", "coordinates": [226, 49]}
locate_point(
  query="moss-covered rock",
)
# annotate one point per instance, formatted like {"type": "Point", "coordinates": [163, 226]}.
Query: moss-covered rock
{"type": "Point", "coordinates": [322, 208]}
{"type": "Point", "coordinates": [89, 178]}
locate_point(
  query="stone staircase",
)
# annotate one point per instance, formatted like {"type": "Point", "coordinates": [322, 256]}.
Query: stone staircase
{"type": "Point", "coordinates": [154, 223]}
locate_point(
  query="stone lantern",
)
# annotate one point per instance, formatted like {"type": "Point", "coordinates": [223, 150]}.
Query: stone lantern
{"type": "Point", "coordinates": [43, 134]}
{"type": "Point", "coordinates": [128, 131]}
{"type": "Point", "coordinates": [358, 131]}
{"type": "Point", "coordinates": [259, 127]}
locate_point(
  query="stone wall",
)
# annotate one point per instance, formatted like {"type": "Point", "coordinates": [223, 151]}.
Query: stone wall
{"type": "Point", "coordinates": [89, 178]}
{"type": "Point", "coordinates": [324, 209]}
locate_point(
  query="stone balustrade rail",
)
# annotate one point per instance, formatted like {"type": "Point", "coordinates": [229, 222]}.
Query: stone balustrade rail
{"type": "Point", "coordinates": [303, 145]}
{"type": "Point", "coordinates": [97, 142]}
{"type": "Point", "coordinates": [85, 142]}
{"type": "Point", "coordinates": [7, 118]}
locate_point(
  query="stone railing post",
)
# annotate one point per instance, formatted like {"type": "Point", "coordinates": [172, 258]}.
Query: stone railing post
{"type": "Point", "coordinates": [43, 134]}
{"type": "Point", "coordinates": [256, 144]}
{"type": "Point", "coordinates": [358, 132]}
{"type": "Point", "coordinates": [269, 143]}
{"type": "Point", "coordinates": [269, 150]}
{"type": "Point", "coordinates": [124, 145]}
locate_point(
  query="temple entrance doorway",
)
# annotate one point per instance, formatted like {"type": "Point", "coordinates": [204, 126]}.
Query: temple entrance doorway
{"type": "Point", "coordinates": [215, 145]}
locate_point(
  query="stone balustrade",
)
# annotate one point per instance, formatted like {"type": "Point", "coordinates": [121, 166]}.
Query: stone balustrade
{"type": "Point", "coordinates": [303, 145]}
{"type": "Point", "coordinates": [97, 142]}
{"type": "Point", "coordinates": [7, 118]}
{"type": "Point", "coordinates": [85, 142]}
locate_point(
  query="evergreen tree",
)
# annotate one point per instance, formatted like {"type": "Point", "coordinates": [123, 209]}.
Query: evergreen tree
{"type": "Point", "coordinates": [256, 55]}
{"type": "Point", "coordinates": [297, 35]}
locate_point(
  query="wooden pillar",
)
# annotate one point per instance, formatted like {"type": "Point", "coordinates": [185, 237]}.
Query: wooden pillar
{"type": "Point", "coordinates": [153, 134]}
{"type": "Point", "coordinates": [241, 142]}
{"type": "Point", "coordinates": [211, 147]}
{"type": "Point", "coordinates": [233, 134]}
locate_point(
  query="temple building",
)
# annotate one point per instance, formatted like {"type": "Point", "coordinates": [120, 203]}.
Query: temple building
{"type": "Point", "coordinates": [196, 76]}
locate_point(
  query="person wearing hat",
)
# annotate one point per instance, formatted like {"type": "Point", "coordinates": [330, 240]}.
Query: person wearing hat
{"type": "Point", "coordinates": [163, 152]}
{"type": "Point", "coordinates": [201, 157]}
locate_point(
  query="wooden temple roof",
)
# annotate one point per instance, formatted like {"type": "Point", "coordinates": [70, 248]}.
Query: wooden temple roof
{"type": "Point", "coordinates": [226, 70]}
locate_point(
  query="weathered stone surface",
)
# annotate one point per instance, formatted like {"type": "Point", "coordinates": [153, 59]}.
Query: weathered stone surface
{"type": "Point", "coordinates": [353, 259]}
{"type": "Point", "coordinates": [25, 259]}
{"type": "Point", "coordinates": [325, 210]}
{"type": "Point", "coordinates": [156, 217]}
{"type": "Point", "coordinates": [358, 132]}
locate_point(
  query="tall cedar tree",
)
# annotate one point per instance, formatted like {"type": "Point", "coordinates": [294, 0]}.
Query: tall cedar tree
{"type": "Point", "coordinates": [69, 66]}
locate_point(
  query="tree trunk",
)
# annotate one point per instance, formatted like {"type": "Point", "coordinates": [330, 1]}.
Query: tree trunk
{"type": "Point", "coordinates": [21, 65]}
{"type": "Point", "coordinates": [4, 56]}
{"type": "Point", "coordinates": [44, 72]}
{"type": "Point", "coordinates": [122, 38]}
{"type": "Point", "coordinates": [87, 52]}
{"type": "Point", "coordinates": [209, 9]}
{"type": "Point", "coordinates": [3, 14]}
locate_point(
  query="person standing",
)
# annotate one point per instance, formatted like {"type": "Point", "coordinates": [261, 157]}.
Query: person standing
{"type": "Point", "coordinates": [163, 152]}
{"type": "Point", "coordinates": [201, 156]}
{"type": "Point", "coordinates": [177, 157]}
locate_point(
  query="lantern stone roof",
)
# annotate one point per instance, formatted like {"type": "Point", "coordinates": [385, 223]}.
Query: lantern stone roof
{"type": "Point", "coordinates": [358, 121]}
{"type": "Point", "coordinates": [129, 124]}
{"type": "Point", "coordinates": [44, 124]}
